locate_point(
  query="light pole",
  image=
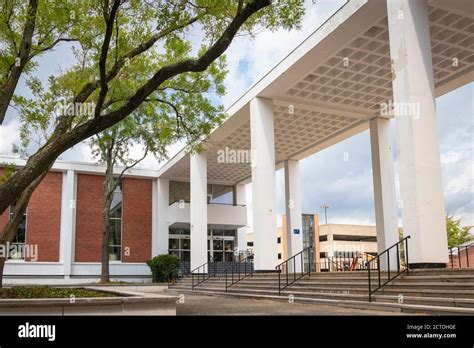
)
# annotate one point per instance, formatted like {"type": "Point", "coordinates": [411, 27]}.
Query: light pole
{"type": "Point", "coordinates": [326, 207]}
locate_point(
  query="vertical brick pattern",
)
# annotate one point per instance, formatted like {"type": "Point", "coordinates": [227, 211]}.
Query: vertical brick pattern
{"type": "Point", "coordinates": [136, 219]}
{"type": "Point", "coordinates": [89, 226]}
{"type": "Point", "coordinates": [43, 219]}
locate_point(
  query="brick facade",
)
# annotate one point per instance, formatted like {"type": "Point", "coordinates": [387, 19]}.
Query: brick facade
{"type": "Point", "coordinates": [43, 222]}
{"type": "Point", "coordinates": [43, 219]}
{"type": "Point", "coordinates": [89, 226]}
{"type": "Point", "coordinates": [137, 211]}
{"type": "Point", "coordinates": [136, 219]}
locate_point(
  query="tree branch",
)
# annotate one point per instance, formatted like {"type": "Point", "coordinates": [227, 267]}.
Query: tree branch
{"type": "Point", "coordinates": [8, 88]}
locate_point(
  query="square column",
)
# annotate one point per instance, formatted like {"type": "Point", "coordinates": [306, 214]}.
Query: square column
{"type": "Point", "coordinates": [421, 185]}
{"type": "Point", "coordinates": [294, 222]}
{"type": "Point", "coordinates": [198, 210]}
{"type": "Point", "coordinates": [386, 220]}
{"type": "Point", "coordinates": [160, 237]}
{"type": "Point", "coordinates": [240, 199]}
{"type": "Point", "coordinates": [68, 222]}
{"type": "Point", "coordinates": [263, 184]}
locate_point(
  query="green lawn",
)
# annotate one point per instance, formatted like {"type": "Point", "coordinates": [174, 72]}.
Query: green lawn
{"type": "Point", "coordinates": [50, 292]}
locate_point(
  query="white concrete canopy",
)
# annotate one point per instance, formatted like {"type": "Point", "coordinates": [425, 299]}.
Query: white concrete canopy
{"type": "Point", "coordinates": [340, 78]}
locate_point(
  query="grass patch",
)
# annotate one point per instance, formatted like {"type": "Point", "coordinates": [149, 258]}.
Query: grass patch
{"type": "Point", "coordinates": [50, 292]}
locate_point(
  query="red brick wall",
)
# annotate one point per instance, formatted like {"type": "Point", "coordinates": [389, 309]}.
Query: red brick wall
{"type": "Point", "coordinates": [43, 222]}
{"type": "Point", "coordinates": [43, 219]}
{"type": "Point", "coordinates": [136, 220]}
{"type": "Point", "coordinates": [89, 226]}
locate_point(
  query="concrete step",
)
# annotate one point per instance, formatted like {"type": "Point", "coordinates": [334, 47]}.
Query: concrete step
{"type": "Point", "coordinates": [342, 294]}
{"type": "Point", "coordinates": [349, 303]}
{"type": "Point", "coordinates": [439, 278]}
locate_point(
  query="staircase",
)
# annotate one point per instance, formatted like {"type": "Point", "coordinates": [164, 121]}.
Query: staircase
{"type": "Point", "coordinates": [437, 291]}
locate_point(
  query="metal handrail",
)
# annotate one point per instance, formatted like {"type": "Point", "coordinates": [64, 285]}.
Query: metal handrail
{"type": "Point", "coordinates": [205, 274]}
{"type": "Point", "coordinates": [386, 252]}
{"type": "Point", "coordinates": [460, 248]}
{"type": "Point", "coordinates": [245, 261]}
{"type": "Point", "coordinates": [295, 278]}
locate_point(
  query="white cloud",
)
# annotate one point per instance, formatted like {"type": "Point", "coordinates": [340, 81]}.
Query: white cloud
{"type": "Point", "coordinates": [9, 134]}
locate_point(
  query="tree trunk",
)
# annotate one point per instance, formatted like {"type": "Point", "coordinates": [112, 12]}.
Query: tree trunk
{"type": "Point", "coordinates": [10, 229]}
{"type": "Point", "coordinates": [109, 188]}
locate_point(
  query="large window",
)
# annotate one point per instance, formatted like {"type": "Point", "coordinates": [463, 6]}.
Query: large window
{"type": "Point", "coordinates": [180, 243]}
{"type": "Point", "coordinates": [19, 240]}
{"type": "Point", "coordinates": [115, 237]}
{"type": "Point", "coordinates": [220, 194]}
{"type": "Point", "coordinates": [217, 194]}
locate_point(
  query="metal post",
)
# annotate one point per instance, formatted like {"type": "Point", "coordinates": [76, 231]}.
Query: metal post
{"type": "Point", "coordinates": [451, 257]}
{"type": "Point", "coordinates": [370, 286]}
{"type": "Point", "coordinates": [388, 263]}
{"type": "Point", "coordinates": [398, 260]}
{"type": "Point", "coordinates": [467, 255]}
{"type": "Point", "coordinates": [279, 283]}
{"type": "Point", "coordinates": [459, 257]}
{"type": "Point", "coordinates": [406, 251]}
{"type": "Point", "coordinates": [378, 268]}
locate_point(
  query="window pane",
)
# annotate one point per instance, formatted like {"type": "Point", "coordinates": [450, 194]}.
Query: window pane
{"type": "Point", "coordinates": [229, 245]}
{"type": "Point", "coordinates": [229, 233]}
{"type": "Point", "coordinates": [218, 245]}
{"type": "Point", "coordinates": [186, 244]}
{"type": "Point", "coordinates": [222, 194]}
{"type": "Point", "coordinates": [229, 257]}
{"type": "Point", "coordinates": [185, 256]}
{"type": "Point", "coordinates": [179, 190]}
{"type": "Point", "coordinates": [115, 253]}
{"type": "Point", "coordinates": [20, 236]}
{"type": "Point", "coordinates": [115, 232]}
{"type": "Point", "coordinates": [218, 256]}
{"type": "Point", "coordinates": [116, 205]}
{"type": "Point", "coordinates": [173, 244]}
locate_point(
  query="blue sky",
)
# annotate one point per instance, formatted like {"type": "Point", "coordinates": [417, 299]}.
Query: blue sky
{"type": "Point", "coordinates": [326, 177]}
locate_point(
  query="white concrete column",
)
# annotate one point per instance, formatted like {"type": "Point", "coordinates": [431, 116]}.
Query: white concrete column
{"type": "Point", "coordinates": [263, 184]}
{"type": "Point", "coordinates": [294, 222]}
{"type": "Point", "coordinates": [68, 222]}
{"type": "Point", "coordinates": [384, 186]}
{"type": "Point", "coordinates": [418, 145]}
{"type": "Point", "coordinates": [160, 237]}
{"type": "Point", "coordinates": [240, 199]}
{"type": "Point", "coordinates": [198, 210]}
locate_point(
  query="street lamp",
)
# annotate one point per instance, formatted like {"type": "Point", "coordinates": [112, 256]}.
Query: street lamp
{"type": "Point", "coordinates": [326, 207]}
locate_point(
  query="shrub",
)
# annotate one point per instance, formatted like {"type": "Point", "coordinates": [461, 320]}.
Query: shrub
{"type": "Point", "coordinates": [164, 268]}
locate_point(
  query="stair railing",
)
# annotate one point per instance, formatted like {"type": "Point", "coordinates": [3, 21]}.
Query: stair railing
{"type": "Point", "coordinates": [284, 268]}
{"type": "Point", "coordinates": [402, 265]}
{"type": "Point", "coordinates": [460, 248]}
{"type": "Point", "coordinates": [202, 273]}
{"type": "Point", "coordinates": [237, 276]}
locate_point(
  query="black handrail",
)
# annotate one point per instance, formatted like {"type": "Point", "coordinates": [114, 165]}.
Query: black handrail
{"type": "Point", "coordinates": [460, 249]}
{"type": "Point", "coordinates": [205, 273]}
{"type": "Point", "coordinates": [400, 260]}
{"type": "Point", "coordinates": [284, 265]}
{"type": "Point", "coordinates": [246, 261]}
